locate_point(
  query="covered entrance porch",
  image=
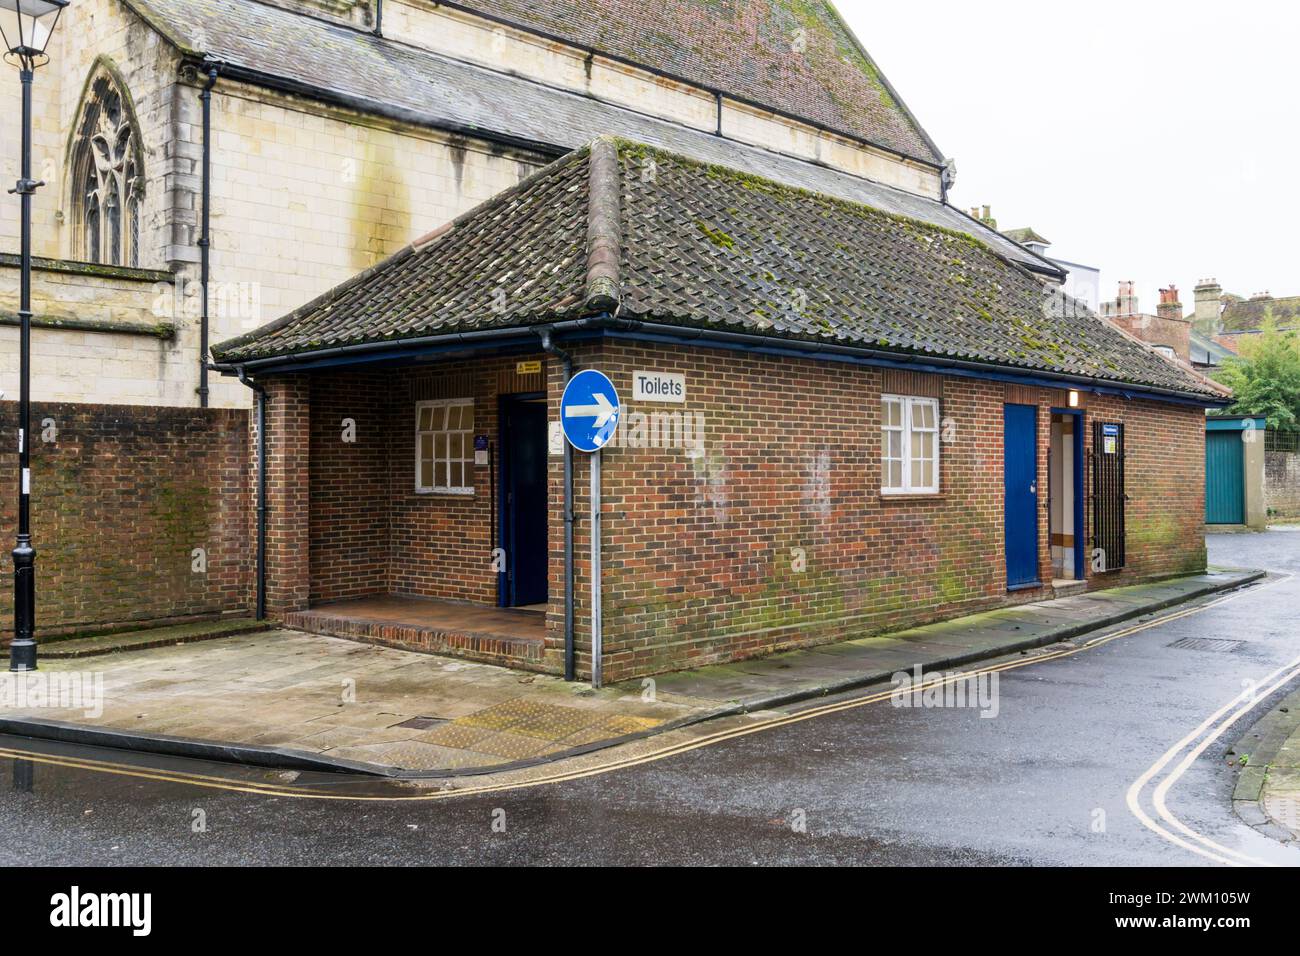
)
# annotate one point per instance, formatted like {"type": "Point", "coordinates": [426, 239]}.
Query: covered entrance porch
{"type": "Point", "coordinates": [416, 505]}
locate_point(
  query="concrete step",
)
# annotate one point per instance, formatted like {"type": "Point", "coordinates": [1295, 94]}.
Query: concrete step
{"type": "Point", "coordinates": [150, 637]}
{"type": "Point", "coordinates": [1066, 588]}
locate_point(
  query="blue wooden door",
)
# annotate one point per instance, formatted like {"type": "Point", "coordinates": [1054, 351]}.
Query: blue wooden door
{"type": "Point", "coordinates": [524, 511]}
{"type": "Point", "coordinates": [1224, 491]}
{"type": "Point", "coordinates": [1020, 483]}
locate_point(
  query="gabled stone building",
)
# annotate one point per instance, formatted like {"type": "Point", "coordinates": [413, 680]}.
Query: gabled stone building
{"type": "Point", "coordinates": [885, 413]}
{"type": "Point", "coordinates": [340, 131]}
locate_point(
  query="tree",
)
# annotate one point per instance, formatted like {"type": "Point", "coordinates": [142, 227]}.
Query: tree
{"type": "Point", "coordinates": [1265, 378]}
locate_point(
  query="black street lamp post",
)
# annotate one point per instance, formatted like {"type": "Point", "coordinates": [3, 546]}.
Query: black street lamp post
{"type": "Point", "coordinates": [25, 28]}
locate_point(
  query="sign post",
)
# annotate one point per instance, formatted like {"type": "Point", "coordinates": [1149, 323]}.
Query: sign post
{"type": "Point", "coordinates": [589, 413]}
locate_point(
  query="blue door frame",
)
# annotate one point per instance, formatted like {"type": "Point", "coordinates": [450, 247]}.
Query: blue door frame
{"type": "Point", "coordinates": [1080, 533]}
{"type": "Point", "coordinates": [522, 500]}
{"type": "Point", "coordinates": [1020, 494]}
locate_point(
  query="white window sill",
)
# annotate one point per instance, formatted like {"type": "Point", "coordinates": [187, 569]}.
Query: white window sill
{"type": "Point", "coordinates": [447, 492]}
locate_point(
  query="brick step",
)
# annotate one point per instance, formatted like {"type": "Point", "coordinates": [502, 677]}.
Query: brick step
{"type": "Point", "coordinates": [150, 637]}
{"type": "Point", "coordinates": [504, 649]}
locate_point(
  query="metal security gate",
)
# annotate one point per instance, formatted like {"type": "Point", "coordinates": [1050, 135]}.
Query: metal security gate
{"type": "Point", "coordinates": [1108, 496]}
{"type": "Point", "coordinates": [1225, 493]}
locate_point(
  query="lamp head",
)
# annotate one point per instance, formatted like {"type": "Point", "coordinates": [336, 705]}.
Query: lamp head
{"type": "Point", "coordinates": [25, 29]}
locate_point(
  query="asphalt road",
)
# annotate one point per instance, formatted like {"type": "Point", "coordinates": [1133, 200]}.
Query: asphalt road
{"type": "Point", "coordinates": [1044, 782]}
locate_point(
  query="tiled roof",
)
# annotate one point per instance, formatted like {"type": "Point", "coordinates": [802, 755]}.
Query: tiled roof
{"type": "Point", "coordinates": [1025, 235]}
{"type": "Point", "coordinates": [660, 238]}
{"type": "Point", "coordinates": [270, 45]}
{"type": "Point", "coordinates": [795, 56]}
{"type": "Point", "coordinates": [1241, 315]}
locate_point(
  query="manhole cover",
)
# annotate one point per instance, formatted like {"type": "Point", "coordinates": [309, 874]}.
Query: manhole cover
{"type": "Point", "coordinates": [1211, 644]}
{"type": "Point", "coordinates": [422, 723]}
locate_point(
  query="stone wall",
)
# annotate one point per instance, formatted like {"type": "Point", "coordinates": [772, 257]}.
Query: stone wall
{"type": "Point", "coordinates": [1282, 483]}
{"type": "Point", "coordinates": [304, 195]}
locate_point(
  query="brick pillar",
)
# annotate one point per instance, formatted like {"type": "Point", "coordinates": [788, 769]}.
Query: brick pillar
{"type": "Point", "coordinates": [288, 435]}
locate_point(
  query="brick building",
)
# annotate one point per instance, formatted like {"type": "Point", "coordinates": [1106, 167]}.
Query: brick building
{"type": "Point", "coordinates": [1167, 331]}
{"type": "Point", "coordinates": [878, 420]}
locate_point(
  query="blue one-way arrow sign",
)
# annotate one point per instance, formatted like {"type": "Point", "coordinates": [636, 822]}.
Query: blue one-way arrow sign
{"type": "Point", "coordinates": [589, 410]}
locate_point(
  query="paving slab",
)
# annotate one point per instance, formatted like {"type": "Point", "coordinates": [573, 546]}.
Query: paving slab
{"type": "Point", "coordinates": [1267, 792]}
{"type": "Point", "coordinates": [294, 700]}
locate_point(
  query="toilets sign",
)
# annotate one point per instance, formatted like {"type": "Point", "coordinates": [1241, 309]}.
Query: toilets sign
{"type": "Point", "coordinates": [589, 410]}
{"type": "Point", "coordinates": [659, 387]}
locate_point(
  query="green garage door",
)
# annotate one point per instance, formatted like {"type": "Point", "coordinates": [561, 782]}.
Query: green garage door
{"type": "Point", "coordinates": [1224, 494]}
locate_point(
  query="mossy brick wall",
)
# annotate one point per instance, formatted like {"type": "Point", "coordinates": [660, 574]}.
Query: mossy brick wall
{"type": "Point", "coordinates": [775, 537]}
{"type": "Point", "coordinates": [700, 553]}
{"type": "Point", "coordinates": [122, 496]}
{"type": "Point", "coordinates": [1164, 478]}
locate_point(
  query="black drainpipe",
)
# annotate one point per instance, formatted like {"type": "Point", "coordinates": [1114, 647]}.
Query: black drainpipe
{"type": "Point", "coordinates": [205, 239]}
{"type": "Point", "coordinates": [379, 18]}
{"type": "Point", "coordinates": [260, 391]}
{"type": "Point", "coordinates": [567, 362]}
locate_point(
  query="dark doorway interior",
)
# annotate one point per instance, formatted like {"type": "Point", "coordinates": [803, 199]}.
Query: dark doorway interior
{"type": "Point", "coordinates": [523, 500]}
{"type": "Point", "coordinates": [1065, 495]}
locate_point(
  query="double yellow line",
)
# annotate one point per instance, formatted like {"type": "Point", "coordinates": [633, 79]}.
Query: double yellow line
{"type": "Point", "coordinates": [562, 776]}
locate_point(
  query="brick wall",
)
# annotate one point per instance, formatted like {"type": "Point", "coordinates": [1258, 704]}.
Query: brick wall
{"type": "Point", "coordinates": [702, 554]}
{"type": "Point", "coordinates": [774, 536]}
{"type": "Point", "coordinates": [288, 487]}
{"type": "Point", "coordinates": [121, 497]}
{"type": "Point", "coordinates": [350, 434]}
{"type": "Point", "coordinates": [370, 531]}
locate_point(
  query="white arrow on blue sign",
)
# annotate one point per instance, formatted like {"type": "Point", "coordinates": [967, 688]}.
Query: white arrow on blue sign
{"type": "Point", "coordinates": [589, 410]}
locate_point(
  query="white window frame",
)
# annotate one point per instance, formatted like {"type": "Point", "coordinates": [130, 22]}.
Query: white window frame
{"type": "Point", "coordinates": [466, 455]}
{"type": "Point", "coordinates": [908, 404]}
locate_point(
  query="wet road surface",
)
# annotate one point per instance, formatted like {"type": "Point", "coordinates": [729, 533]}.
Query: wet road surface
{"type": "Point", "coordinates": [1043, 782]}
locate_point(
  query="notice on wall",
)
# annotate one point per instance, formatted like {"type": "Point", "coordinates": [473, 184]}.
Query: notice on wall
{"type": "Point", "coordinates": [555, 438]}
{"type": "Point", "coordinates": [658, 387]}
{"type": "Point", "coordinates": [1110, 439]}
{"type": "Point", "coordinates": [480, 449]}
{"type": "Point", "coordinates": [532, 367]}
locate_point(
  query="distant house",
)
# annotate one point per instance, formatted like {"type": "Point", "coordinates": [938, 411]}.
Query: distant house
{"type": "Point", "coordinates": [1207, 354]}
{"type": "Point", "coordinates": [1167, 331]}
{"type": "Point", "coordinates": [1082, 282]}
{"type": "Point", "coordinates": [1222, 322]}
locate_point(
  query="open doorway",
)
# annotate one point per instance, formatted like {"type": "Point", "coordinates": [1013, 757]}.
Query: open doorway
{"type": "Point", "coordinates": [523, 504]}
{"type": "Point", "coordinates": [1065, 495]}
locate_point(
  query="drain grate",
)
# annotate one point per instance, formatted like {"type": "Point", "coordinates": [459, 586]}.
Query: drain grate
{"type": "Point", "coordinates": [1212, 644]}
{"type": "Point", "coordinates": [423, 723]}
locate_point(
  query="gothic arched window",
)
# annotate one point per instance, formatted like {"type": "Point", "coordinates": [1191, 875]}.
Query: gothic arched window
{"type": "Point", "coordinates": [107, 177]}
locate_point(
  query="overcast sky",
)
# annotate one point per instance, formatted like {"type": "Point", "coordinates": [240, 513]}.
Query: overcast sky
{"type": "Point", "coordinates": [1155, 140]}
